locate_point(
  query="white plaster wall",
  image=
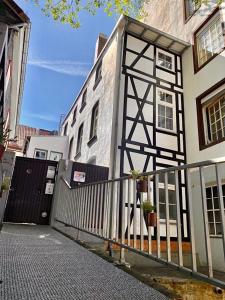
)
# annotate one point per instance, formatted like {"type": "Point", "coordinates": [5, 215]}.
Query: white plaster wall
{"type": "Point", "coordinates": [170, 17]}
{"type": "Point", "coordinates": [49, 143]}
{"type": "Point", "coordinates": [215, 242]}
{"type": "Point", "coordinates": [195, 85]}
{"type": "Point", "coordinates": [103, 93]}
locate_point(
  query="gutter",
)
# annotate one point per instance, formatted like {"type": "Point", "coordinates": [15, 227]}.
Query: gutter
{"type": "Point", "coordinates": [116, 100]}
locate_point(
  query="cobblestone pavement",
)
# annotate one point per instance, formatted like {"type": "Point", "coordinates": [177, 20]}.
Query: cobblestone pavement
{"type": "Point", "coordinates": [38, 263]}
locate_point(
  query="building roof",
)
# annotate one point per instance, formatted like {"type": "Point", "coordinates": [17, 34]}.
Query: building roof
{"type": "Point", "coordinates": [11, 13]}
{"type": "Point", "coordinates": [23, 131]}
{"type": "Point", "coordinates": [155, 36]}
{"type": "Point", "coordinates": [143, 31]}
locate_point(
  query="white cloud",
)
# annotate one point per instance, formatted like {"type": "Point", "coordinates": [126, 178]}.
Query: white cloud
{"type": "Point", "coordinates": [44, 117]}
{"type": "Point", "coordinates": [72, 68]}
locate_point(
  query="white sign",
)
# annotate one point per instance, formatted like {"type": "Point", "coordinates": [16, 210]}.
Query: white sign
{"type": "Point", "coordinates": [49, 188]}
{"type": "Point", "coordinates": [79, 176]}
{"type": "Point", "coordinates": [51, 172]}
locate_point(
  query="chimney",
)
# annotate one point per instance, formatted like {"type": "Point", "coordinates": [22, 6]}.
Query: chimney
{"type": "Point", "coordinates": [100, 43]}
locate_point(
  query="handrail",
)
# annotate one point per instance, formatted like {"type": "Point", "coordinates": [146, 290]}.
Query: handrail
{"type": "Point", "coordinates": [165, 170]}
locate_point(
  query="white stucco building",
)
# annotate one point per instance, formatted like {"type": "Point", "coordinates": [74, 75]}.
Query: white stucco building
{"type": "Point", "coordinates": [49, 147]}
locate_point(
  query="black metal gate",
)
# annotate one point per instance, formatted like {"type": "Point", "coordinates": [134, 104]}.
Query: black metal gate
{"type": "Point", "coordinates": [31, 192]}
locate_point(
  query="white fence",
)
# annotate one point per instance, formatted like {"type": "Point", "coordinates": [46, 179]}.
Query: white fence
{"type": "Point", "coordinates": [189, 205]}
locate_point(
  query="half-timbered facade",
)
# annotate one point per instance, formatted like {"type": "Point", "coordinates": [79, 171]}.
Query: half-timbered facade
{"type": "Point", "coordinates": [134, 118]}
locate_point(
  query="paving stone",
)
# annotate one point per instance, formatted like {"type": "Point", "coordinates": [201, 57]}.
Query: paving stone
{"type": "Point", "coordinates": [38, 263]}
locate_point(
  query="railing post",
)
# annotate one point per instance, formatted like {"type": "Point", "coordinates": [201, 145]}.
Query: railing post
{"type": "Point", "coordinates": [191, 221]}
{"type": "Point", "coordinates": [128, 211]}
{"type": "Point", "coordinates": [221, 204]}
{"type": "Point", "coordinates": [135, 213]}
{"type": "Point", "coordinates": [179, 236]}
{"type": "Point", "coordinates": [167, 219]}
{"type": "Point", "coordinates": [141, 223]}
{"type": "Point", "coordinates": [124, 190]}
{"type": "Point", "coordinates": [206, 223]}
{"type": "Point", "coordinates": [158, 215]}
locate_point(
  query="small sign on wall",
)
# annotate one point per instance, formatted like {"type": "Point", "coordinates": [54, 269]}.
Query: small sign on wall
{"type": "Point", "coordinates": [51, 172]}
{"type": "Point", "coordinates": [49, 188]}
{"type": "Point", "coordinates": [79, 176]}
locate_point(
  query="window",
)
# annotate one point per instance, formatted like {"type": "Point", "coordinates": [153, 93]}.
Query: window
{"type": "Point", "coordinates": [165, 60]}
{"type": "Point", "coordinates": [56, 156]}
{"type": "Point", "coordinates": [215, 113]}
{"type": "Point", "coordinates": [98, 74]}
{"type": "Point", "coordinates": [165, 110]}
{"type": "Point", "coordinates": [190, 7]}
{"type": "Point", "coordinates": [65, 129]}
{"type": "Point", "coordinates": [83, 102]}
{"type": "Point", "coordinates": [70, 149]}
{"type": "Point", "coordinates": [211, 116]}
{"type": "Point", "coordinates": [94, 121]}
{"type": "Point", "coordinates": [213, 210]}
{"type": "Point", "coordinates": [40, 154]}
{"type": "Point", "coordinates": [171, 196]}
{"type": "Point", "coordinates": [209, 41]}
{"type": "Point", "coordinates": [79, 139]}
{"type": "Point", "coordinates": [74, 115]}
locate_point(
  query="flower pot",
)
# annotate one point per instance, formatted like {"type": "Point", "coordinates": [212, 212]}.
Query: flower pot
{"type": "Point", "coordinates": [151, 219]}
{"type": "Point", "coordinates": [2, 150]}
{"type": "Point", "coordinates": [142, 186]}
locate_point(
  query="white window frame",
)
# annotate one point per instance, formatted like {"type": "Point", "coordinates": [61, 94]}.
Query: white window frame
{"type": "Point", "coordinates": [166, 104]}
{"type": "Point", "coordinates": [40, 150]}
{"type": "Point", "coordinates": [167, 54]}
{"type": "Point", "coordinates": [206, 103]}
{"type": "Point", "coordinates": [171, 187]}
{"type": "Point", "coordinates": [212, 185]}
{"type": "Point", "coordinates": [201, 36]}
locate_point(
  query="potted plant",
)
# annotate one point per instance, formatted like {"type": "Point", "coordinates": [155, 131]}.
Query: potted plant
{"type": "Point", "coordinates": [149, 213]}
{"type": "Point", "coordinates": [5, 185]}
{"type": "Point", "coordinates": [142, 184]}
{"type": "Point", "coordinates": [134, 174]}
{"type": "Point", "coordinates": [142, 181]}
{"type": "Point", "coordinates": [4, 139]}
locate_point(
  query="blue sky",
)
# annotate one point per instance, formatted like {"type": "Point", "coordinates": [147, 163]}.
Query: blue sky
{"type": "Point", "coordinates": [58, 62]}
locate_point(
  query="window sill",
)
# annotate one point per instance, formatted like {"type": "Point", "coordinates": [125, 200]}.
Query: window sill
{"type": "Point", "coordinates": [77, 155]}
{"type": "Point", "coordinates": [202, 147]}
{"type": "Point", "coordinates": [92, 141]}
{"type": "Point", "coordinates": [198, 68]}
{"type": "Point", "coordinates": [97, 82]}
{"type": "Point", "coordinates": [82, 107]}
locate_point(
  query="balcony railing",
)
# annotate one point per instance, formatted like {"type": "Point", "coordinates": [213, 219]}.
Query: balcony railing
{"type": "Point", "coordinates": [189, 233]}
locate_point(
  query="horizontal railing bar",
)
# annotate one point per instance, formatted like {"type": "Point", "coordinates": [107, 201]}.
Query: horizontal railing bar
{"type": "Point", "coordinates": [166, 170]}
{"type": "Point", "coordinates": [186, 270]}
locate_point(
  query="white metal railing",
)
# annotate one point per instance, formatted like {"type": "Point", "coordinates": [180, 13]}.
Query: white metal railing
{"type": "Point", "coordinates": [112, 210]}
